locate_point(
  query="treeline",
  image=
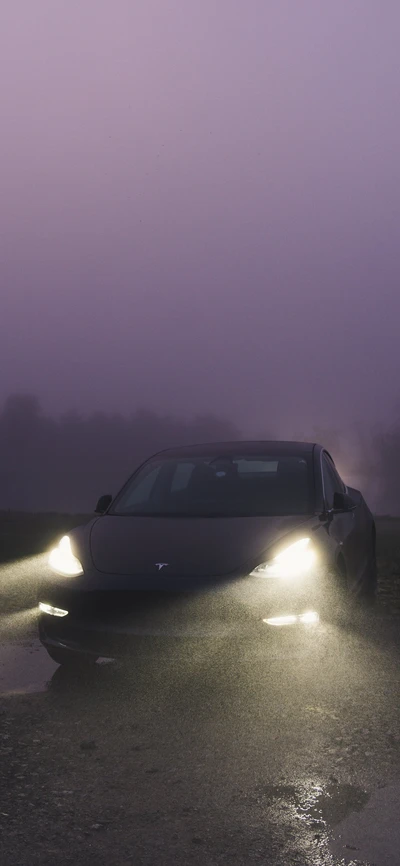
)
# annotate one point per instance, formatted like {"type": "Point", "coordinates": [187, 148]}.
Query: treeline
{"type": "Point", "coordinates": [64, 464]}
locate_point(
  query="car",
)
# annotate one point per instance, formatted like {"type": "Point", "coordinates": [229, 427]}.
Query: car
{"type": "Point", "coordinates": [206, 543]}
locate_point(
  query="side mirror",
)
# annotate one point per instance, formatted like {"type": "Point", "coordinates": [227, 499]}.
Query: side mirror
{"type": "Point", "coordinates": [103, 503]}
{"type": "Point", "coordinates": [342, 503]}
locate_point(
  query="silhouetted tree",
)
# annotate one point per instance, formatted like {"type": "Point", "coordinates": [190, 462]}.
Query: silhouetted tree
{"type": "Point", "coordinates": [64, 465]}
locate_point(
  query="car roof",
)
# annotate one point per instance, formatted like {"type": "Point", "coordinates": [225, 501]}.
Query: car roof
{"type": "Point", "coordinates": [250, 448]}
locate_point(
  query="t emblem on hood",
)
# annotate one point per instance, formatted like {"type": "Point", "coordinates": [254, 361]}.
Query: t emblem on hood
{"type": "Point", "coordinates": [161, 565]}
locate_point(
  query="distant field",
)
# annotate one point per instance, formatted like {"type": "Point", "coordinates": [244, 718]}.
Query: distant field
{"type": "Point", "coordinates": [25, 535]}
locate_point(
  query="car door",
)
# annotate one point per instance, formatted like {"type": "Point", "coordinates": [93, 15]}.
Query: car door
{"type": "Point", "coordinates": [343, 529]}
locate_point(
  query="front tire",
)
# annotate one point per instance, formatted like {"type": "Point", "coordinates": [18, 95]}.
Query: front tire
{"type": "Point", "coordinates": [343, 606]}
{"type": "Point", "coordinates": [69, 658]}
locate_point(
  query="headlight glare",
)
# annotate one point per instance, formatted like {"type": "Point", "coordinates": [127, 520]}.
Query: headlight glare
{"type": "Point", "coordinates": [294, 561]}
{"type": "Point", "coordinates": [63, 561]}
{"type": "Point", "coordinates": [51, 610]}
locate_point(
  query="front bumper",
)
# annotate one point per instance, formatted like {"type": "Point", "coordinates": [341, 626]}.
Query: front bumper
{"type": "Point", "coordinates": [116, 622]}
{"type": "Point", "coordinates": [113, 643]}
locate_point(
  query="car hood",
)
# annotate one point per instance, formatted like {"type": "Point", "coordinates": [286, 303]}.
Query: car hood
{"type": "Point", "coordinates": [202, 546]}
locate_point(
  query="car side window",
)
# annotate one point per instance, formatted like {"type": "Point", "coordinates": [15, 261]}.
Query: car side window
{"type": "Point", "coordinates": [332, 482]}
{"type": "Point", "coordinates": [142, 491]}
{"type": "Point", "coordinates": [181, 477]}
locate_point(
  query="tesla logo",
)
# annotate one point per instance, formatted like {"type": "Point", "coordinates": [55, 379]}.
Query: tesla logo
{"type": "Point", "coordinates": [161, 565]}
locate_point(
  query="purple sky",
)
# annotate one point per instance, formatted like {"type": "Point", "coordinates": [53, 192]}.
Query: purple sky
{"type": "Point", "coordinates": [200, 207]}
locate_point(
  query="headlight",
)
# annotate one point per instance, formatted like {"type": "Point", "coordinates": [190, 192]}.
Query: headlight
{"type": "Point", "coordinates": [294, 561]}
{"type": "Point", "coordinates": [63, 561]}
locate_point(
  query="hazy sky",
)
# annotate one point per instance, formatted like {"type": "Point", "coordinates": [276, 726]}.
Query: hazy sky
{"type": "Point", "coordinates": [200, 206]}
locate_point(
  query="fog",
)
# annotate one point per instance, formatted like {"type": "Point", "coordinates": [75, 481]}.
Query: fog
{"type": "Point", "coordinates": [65, 464]}
{"type": "Point", "coordinates": [199, 216]}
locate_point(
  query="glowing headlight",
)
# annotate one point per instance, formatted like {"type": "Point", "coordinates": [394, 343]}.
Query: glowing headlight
{"type": "Point", "coordinates": [63, 561]}
{"type": "Point", "coordinates": [295, 561]}
{"type": "Point", "coordinates": [52, 611]}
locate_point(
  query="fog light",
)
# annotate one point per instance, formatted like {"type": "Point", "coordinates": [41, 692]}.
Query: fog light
{"type": "Point", "coordinates": [53, 611]}
{"type": "Point", "coordinates": [310, 617]}
{"type": "Point", "coordinates": [281, 620]}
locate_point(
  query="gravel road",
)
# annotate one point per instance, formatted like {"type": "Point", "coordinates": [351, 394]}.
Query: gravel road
{"type": "Point", "coordinates": [284, 750]}
{"type": "Point", "coordinates": [247, 754]}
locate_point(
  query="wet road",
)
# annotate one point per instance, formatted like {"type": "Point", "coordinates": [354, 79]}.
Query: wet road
{"type": "Point", "coordinates": [283, 751]}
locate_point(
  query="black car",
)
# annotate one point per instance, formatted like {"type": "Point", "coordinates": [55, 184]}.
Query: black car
{"type": "Point", "coordinates": [209, 542]}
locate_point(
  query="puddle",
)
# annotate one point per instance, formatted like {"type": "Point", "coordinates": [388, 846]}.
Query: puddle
{"type": "Point", "coordinates": [24, 669]}
{"type": "Point", "coordinates": [328, 804]}
{"type": "Point", "coordinates": [27, 669]}
{"type": "Point", "coordinates": [335, 802]}
{"type": "Point", "coordinates": [346, 821]}
{"type": "Point", "coordinates": [372, 834]}
{"type": "Point", "coordinates": [312, 813]}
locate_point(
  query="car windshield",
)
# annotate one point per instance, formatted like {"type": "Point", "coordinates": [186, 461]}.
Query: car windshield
{"type": "Point", "coordinates": [241, 486]}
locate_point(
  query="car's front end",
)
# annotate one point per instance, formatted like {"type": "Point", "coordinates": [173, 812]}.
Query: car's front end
{"type": "Point", "coordinates": [202, 543]}
{"type": "Point", "coordinates": [104, 613]}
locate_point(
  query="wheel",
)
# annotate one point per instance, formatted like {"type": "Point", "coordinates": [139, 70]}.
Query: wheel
{"type": "Point", "coordinates": [69, 658]}
{"type": "Point", "coordinates": [343, 606]}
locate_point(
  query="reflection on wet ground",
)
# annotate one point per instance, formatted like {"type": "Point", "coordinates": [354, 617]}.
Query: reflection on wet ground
{"type": "Point", "coordinates": [323, 805]}
{"type": "Point", "coordinates": [315, 808]}
{"type": "Point", "coordinates": [374, 832]}
{"type": "Point", "coordinates": [282, 744]}
{"type": "Point", "coordinates": [345, 820]}
{"type": "Point", "coordinates": [29, 669]}
{"type": "Point", "coordinates": [24, 669]}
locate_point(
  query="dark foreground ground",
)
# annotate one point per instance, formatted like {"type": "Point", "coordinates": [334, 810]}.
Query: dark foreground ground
{"type": "Point", "coordinates": [285, 751]}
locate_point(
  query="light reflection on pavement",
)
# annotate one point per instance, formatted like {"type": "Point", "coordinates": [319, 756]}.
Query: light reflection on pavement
{"type": "Point", "coordinates": [271, 754]}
